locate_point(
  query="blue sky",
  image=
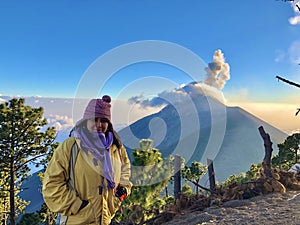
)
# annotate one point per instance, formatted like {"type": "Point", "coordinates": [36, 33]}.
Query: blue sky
{"type": "Point", "coordinates": [46, 46]}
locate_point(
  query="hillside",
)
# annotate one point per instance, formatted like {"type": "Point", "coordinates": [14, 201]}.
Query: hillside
{"type": "Point", "coordinates": [32, 191]}
{"type": "Point", "coordinates": [228, 135]}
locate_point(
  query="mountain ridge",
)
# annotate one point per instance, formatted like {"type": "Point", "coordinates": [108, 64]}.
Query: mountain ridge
{"type": "Point", "coordinates": [235, 130]}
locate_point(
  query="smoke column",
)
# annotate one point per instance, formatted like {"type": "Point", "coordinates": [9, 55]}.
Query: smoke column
{"type": "Point", "coordinates": [218, 71]}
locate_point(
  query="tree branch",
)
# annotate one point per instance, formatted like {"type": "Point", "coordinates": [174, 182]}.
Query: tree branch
{"type": "Point", "coordinates": [34, 158]}
{"type": "Point", "coordinates": [287, 81]}
{"type": "Point", "coordinates": [24, 130]}
{"type": "Point", "coordinates": [4, 169]}
{"type": "Point", "coordinates": [204, 188]}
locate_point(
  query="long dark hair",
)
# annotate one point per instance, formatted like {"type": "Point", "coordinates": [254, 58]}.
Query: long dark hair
{"type": "Point", "coordinates": [117, 140]}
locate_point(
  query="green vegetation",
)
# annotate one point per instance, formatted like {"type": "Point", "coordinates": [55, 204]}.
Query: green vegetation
{"type": "Point", "coordinates": [187, 190]}
{"type": "Point", "coordinates": [46, 216]}
{"type": "Point", "coordinates": [251, 175]}
{"type": "Point", "coordinates": [22, 141]}
{"type": "Point", "coordinates": [286, 158]}
{"type": "Point", "coordinates": [29, 218]}
{"type": "Point", "coordinates": [288, 152]}
{"type": "Point", "coordinates": [194, 173]}
{"type": "Point", "coordinates": [151, 175]}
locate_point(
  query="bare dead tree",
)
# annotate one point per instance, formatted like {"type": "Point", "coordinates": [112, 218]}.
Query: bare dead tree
{"type": "Point", "coordinates": [290, 83]}
{"type": "Point", "coordinates": [268, 151]}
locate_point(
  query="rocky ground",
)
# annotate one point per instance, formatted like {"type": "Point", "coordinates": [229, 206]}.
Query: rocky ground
{"type": "Point", "coordinates": [275, 208]}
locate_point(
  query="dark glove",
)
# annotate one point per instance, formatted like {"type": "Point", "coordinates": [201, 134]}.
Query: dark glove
{"type": "Point", "coordinates": [121, 193]}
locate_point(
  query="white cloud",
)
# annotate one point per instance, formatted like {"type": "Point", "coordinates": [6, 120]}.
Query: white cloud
{"type": "Point", "coordinates": [125, 113]}
{"type": "Point", "coordinates": [182, 94]}
{"type": "Point", "coordinates": [294, 52]}
{"type": "Point", "coordinates": [295, 19]}
{"type": "Point", "coordinates": [280, 56]}
{"type": "Point", "coordinates": [60, 122]}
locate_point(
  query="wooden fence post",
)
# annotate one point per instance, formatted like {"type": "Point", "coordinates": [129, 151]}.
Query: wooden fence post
{"type": "Point", "coordinates": [177, 178]}
{"type": "Point", "coordinates": [211, 174]}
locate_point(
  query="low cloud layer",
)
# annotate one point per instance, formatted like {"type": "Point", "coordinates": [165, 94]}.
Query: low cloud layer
{"type": "Point", "coordinates": [273, 113]}
{"type": "Point", "coordinates": [181, 94]}
{"type": "Point", "coordinates": [60, 122]}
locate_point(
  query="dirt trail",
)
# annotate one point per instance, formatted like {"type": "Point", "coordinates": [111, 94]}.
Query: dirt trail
{"type": "Point", "coordinates": [274, 208]}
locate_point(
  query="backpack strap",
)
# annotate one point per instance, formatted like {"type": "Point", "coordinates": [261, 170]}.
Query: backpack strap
{"type": "Point", "coordinates": [62, 220]}
{"type": "Point", "coordinates": [72, 162]}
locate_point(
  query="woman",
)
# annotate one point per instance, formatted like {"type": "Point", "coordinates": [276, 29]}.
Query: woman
{"type": "Point", "coordinates": [101, 171]}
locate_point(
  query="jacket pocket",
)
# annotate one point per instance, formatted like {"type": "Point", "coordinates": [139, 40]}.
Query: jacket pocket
{"type": "Point", "coordinates": [89, 214]}
{"type": "Point", "coordinates": [114, 206]}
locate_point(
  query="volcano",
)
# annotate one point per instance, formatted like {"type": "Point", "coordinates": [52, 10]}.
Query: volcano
{"type": "Point", "coordinates": [205, 129]}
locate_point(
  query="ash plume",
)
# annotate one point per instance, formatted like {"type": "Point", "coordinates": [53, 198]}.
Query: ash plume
{"type": "Point", "coordinates": [218, 71]}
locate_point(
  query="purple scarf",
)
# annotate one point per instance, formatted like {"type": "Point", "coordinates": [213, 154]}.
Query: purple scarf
{"type": "Point", "coordinates": [99, 145]}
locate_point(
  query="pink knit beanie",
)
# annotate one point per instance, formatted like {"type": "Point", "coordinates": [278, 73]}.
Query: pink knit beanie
{"type": "Point", "coordinates": [97, 108]}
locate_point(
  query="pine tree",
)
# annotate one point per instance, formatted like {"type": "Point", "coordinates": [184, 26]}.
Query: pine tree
{"type": "Point", "coordinates": [47, 217]}
{"type": "Point", "coordinates": [187, 190]}
{"type": "Point", "coordinates": [4, 198]}
{"type": "Point", "coordinates": [29, 218]}
{"type": "Point", "coordinates": [150, 175]}
{"type": "Point", "coordinates": [194, 173]}
{"type": "Point", "coordinates": [288, 152]}
{"type": "Point", "coordinates": [22, 141]}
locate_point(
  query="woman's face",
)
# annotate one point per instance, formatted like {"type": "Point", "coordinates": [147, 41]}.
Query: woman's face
{"type": "Point", "coordinates": [97, 125]}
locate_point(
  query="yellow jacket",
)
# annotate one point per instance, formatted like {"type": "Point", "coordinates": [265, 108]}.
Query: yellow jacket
{"type": "Point", "coordinates": [102, 206]}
